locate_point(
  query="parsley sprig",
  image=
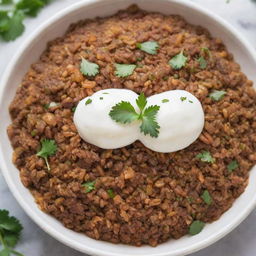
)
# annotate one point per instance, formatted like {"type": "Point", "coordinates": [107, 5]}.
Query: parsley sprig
{"type": "Point", "coordinates": [48, 148]}
{"type": "Point", "coordinates": [10, 230]}
{"type": "Point", "coordinates": [11, 21]}
{"type": "Point", "coordinates": [123, 112]}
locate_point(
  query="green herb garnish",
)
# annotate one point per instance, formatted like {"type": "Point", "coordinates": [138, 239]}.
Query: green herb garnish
{"type": "Point", "coordinates": [48, 148]}
{"type": "Point", "coordinates": [178, 61]}
{"type": "Point", "coordinates": [190, 101]}
{"type": "Point", "coordinates": [123, 112]}
{"type": "Point", "coordinates": [101, 98]}
{"type": "Point", "coordinates": [165, 100]}
{"type": "Point", "coordinates": [149, 47]}
{"type": "Point", "coordinates": [111, 193]}
{"type": "Point", "coordinates": [206, 197]}
{"type": "Point", "coordinates": [202, 62]}
{"type": "Point", "coordinates": [5, 1]}
{"type": "Point", "coordinates": [10, 230]}
{"type": "Point", "coordinates": [89, 101]}
{"type": "Point", "coordinates": [124, 70]}
{"type": "Point", "coordinates": [88, 68]}
{"type": "Point", "coordinates": [196, 227]}
{"type": "Point", "coordinates": [72, 110]}
{"type": "Point", "coordinates": [183, 98]}
{"type": "Point", "coordinates": [232, 166]}
{"type": "Point", "coordinates": [89, 186]}
{"type": "Point", "coordinates": [217, 95]}
{"type": "Point", "coordinates": [30, 7]}
{"type": "Point", "coordinates": [205, 156]}
{"type": "Point", "coordinates": [105, 93]}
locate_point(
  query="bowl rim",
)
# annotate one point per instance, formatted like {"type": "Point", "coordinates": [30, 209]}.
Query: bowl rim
{"type": "Point", "coordinates": [48, 228]}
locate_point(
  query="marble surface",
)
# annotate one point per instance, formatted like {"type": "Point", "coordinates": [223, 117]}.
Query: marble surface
{"type": "Point", "coordinates": [35, 242]}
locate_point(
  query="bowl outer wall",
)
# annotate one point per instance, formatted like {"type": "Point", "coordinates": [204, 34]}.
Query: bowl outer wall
{"type": "Point", "coordinates": [244, 53]}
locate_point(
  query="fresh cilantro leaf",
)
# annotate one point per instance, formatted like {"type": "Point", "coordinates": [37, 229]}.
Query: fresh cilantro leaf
{"type": "Point", "coordinates": [232, 166]}
{"type": "Point", "coordinates": [141, 101]}
{"type": "Point", "coordinates": [149, 47]}
{"type": "Point", "coordinates": [202, 62]}
{"type": "Point", "coordinates": [9, 223]}
{"type": "Point", "coordinates": [101, 98]}
{"type": "Point", "coordinates": [205, 156]}
{"type": "Point", "coordinates": [206, 197]}
{"type": "Point", "coordinates": [183, 98]}
{"type": "Point", "coordinates": [217, 95]}
{"type": "Point", "coordinates": [196, 227]}
{"type": "Point", "coordinates": [123, 112]}
{"type": "Point", "coordinates": [190, 101]}
{"type": "Point", "coordinates": [89, 186]}
{"type": "Point", "coordinates": [165, 100]}
{"type": "Point", "coordinates": [178, 61]}
{"type": "Point", "coordinates": [111, 193]}
{"type": "Point", "coordinates": [89, 101]}
{"type": "Point", "coordinates": [149, 124]}
{"type": "Point", "coordinates": [4, 21]}
{"type": "Point", "coordinates": [15, 27]}
{"type": "Point", "coordinates": [124, 70]}
{"type": "Point", "coordinates": [105, 93]}
{"type": "Point", "coordinates": [73, 109]}
{"type": "Point", "coordinates": [89, 68]}
{"type": "Point", "coordinates": [10, 229]}
{"type": "Point", "coordinates": [48, 148]}
{"type": "Point", "coordinates": [30, 7]}
{"type": "Point", "coordinates": [5, 1]}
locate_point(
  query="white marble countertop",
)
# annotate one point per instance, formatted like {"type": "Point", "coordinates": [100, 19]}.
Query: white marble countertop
{"type": "Point", "coordinates": [35, 242]}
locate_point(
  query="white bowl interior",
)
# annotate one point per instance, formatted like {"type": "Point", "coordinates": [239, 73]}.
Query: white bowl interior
{"type": "Point", "coordinates": [30, 53]}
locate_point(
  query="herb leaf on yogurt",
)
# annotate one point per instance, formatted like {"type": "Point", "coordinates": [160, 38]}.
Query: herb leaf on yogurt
{"type": "Point", "coordinates": [88, 68]}
{"type": "Point", "coordinates": [89, 101]}
{"type": "Point", "coordinates": [123, 112]}
{"type": "Point", "coordinates": [124, 70]}
{"type": "Point", "coordinates": [178, 61]}
{"type": "Point", "coordinates": [148, 47]}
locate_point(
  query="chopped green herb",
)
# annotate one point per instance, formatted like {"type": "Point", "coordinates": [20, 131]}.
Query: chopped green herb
{"type": "Point", "coordinates": [101, 98]}
{"type": "Point", "coordinates": [206, 197]}
{"type": "Point", "coordinates": [178, 61]}
{"type": "Point", "coordinates": [202, 62]}
{"type": "Point", "coordinates": [105, 93]}
{"type": "Point", "coordinates": [33, 133]}
{"type": "Point", "coordinates": [48, 148]}
{"type": "Point", "coordinates": [4, 21]}
{"type": "Point", "coordinates": [73, 109]}
{"type": "Point", "coordinates": [183, 98]}
{"type": "Point", "coordinates": [149, 47]}
{"type": "Point", "coordinates": [124, 70]}
{"type": "Point", "coordinates": [190, 101]}
{"type": "Point", "coordinates": [232, 166]}
{"type": "Point", "coordinates": [206, 50]}
{"type": "Point", "coordinates": [89, 186]}
{"type": "Point", "coordinates": [205, 156]}
{"type": "Point", "coordinates": [10, 230]}
{"type": "Point", "coordinates": [124, 112]}
{"type": "Point", "coordinates": [165, 100]}
{"type": "Point", "coordinates": [89, 101]}
{"type": "Point", "coordinates": [217, 95]}
{"type": "Point", "coordinates": [111, 193]}
{"type": "Point", "coordinates": [139, 59]}
{"type": "Point", "coordinates": [30, 7]}
{"type": "Point", "coordinates": [196, 227]}
{"type": "Point", "coordinates": [88, 68]}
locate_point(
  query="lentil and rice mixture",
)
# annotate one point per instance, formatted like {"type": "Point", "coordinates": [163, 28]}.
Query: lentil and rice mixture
{"type": "Point", "coordinates": [139, 196]}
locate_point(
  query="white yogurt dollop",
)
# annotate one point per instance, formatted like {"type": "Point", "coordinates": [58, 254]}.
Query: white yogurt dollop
{"type": "Point", "coordinates": [95, 125]}
{"type": "Point", "coordinates": [181, 120]}
{"type": "Point", "coordinates": [180, 117]}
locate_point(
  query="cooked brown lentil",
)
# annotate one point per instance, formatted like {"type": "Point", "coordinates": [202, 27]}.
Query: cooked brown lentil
{"type": "Point", "coordinates": [155, 196]}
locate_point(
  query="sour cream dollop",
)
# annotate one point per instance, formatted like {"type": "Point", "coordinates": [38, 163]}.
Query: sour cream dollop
{"type": "Point", "coordinates": [180, 117]}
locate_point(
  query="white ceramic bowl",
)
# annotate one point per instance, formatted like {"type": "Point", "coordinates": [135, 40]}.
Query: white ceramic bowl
{"type": "Point", "coordinates": [30, 51]}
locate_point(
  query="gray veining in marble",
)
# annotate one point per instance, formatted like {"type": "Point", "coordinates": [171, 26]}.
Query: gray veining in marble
{"type": "Point", "coordinates": [35, 242]}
